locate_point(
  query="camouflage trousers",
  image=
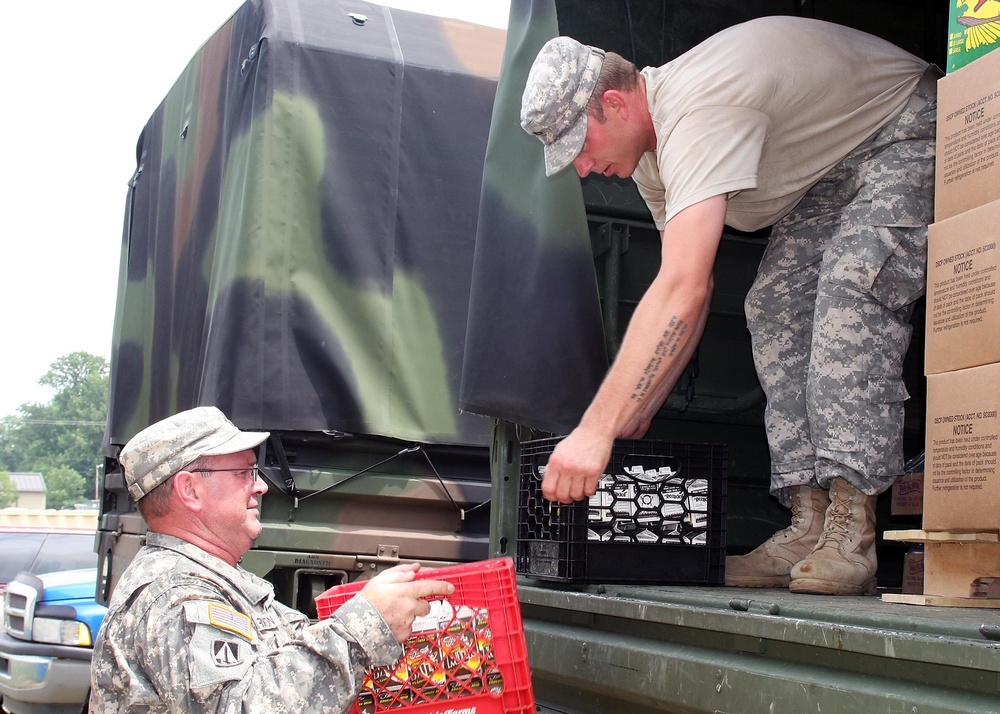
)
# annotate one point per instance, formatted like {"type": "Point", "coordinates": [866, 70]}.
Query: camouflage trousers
{"type": "Point", "coordinates": [829, 311]}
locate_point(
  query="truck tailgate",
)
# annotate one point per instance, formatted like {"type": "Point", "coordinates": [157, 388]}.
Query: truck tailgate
{"type": "Point", "coordinates": [644, 649]}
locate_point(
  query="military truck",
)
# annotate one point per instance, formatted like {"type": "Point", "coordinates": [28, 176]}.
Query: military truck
{"type": "Point", "coordinates": [297, 250]}
{"type": "Point", "coordinates": [583, 253]}
{"type": "Point", "coordinates": [338, 232]}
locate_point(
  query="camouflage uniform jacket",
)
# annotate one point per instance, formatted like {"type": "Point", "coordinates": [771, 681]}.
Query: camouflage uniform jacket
{"type": "Point", "coordinates": [187, 632]}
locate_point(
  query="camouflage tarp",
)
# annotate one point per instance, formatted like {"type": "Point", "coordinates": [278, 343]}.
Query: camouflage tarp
{"type": "Point", "coordinates": [301, 226]}
{"type": "Point", "coordinates": [535, 352]}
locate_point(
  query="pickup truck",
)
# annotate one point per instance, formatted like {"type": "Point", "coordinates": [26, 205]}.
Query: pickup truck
{"type": "Point", "coordinates": [338, 232]}
{"type": "Point", "coordinates": [50, 621]}
{"type": "Point", "coordinates": [34, 546]}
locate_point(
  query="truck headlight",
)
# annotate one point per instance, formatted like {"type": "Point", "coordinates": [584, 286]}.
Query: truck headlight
{"type": "Point", "coordinates": [60, 632]}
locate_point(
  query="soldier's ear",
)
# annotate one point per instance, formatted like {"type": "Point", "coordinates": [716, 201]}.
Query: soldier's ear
{"type": "Point", "coordinates": [189, 490]}
{"type": "Point", "coordinates": [614, 101]}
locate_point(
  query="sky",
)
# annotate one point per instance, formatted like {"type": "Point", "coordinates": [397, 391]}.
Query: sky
{"type": "Point", "coordinates": [82, 79]}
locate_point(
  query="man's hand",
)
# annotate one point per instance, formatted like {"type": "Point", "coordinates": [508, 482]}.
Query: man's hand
{"type": "Point", "coordinates": [575, 466]}
{"type": "Point", "coordinates": [399, 597]}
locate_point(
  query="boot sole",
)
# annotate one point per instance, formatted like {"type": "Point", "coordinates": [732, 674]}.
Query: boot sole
{"type": "Point", "coordinates": [777, 581]}
{"type": "Point", "coordinates": [813, 586]}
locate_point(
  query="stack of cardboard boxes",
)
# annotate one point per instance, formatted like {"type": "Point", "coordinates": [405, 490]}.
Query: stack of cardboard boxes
{"type": "Point", "coordinates": [961, 474]}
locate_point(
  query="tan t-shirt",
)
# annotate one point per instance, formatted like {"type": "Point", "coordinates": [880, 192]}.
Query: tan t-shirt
{"type": "Point", "coordinates": [762, 110]}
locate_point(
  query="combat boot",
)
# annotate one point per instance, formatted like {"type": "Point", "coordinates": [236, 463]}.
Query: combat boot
{"type": "Point", "coordinates": [770, 564]}
{"type": "Point", "coordinates": [844, 561]}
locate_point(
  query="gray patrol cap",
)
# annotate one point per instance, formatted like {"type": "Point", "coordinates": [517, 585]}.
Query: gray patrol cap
{"type": "Point", "coordinates": [162, 449]}
{"type": "Point", "coordinates": [554, 103]}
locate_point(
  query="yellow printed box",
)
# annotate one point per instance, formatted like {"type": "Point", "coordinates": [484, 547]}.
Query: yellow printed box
{"type": "Point", "coordinates": [973, 31]}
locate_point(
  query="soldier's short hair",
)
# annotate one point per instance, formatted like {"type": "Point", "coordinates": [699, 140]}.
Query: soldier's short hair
{"type": "Point", "coordinates": [617, 73]}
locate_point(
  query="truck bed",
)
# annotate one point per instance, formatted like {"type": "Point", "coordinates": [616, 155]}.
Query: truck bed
{"type": "Point", "coordinates": [639, 649]}
{"type": "Point", "coordinates": [614, 648]}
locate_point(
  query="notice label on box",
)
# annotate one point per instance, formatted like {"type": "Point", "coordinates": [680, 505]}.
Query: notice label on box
{"type": "Point", "coordinates": [964, 296]}
{"type": "Point", "coordinates": [963, 314]}
{"type": "Point", "coordinates": [964, 460]}
{"type": "Point", "coordinates": [961, 485]}
{"type": "Point", "coordinates": [970, 147]}
{"type": "Point", "coordinates": [968, 138]}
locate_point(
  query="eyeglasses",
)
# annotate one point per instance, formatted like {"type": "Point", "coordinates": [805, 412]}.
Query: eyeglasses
{"type": "Point", "coordinates": [249, 474]}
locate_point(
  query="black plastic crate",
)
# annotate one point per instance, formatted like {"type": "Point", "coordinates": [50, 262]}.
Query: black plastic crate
{"type": "Point", "coordinates": [659, 516]}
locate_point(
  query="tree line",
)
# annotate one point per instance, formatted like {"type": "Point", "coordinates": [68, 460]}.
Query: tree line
{"type": "Point", "coordinates": [62, 438]}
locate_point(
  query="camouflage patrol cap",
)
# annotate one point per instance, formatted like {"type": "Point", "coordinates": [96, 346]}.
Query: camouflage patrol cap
{"type": "Point", "coordinates": [159, 451]}
{"type": "Point", "coordinates": [554, 103]}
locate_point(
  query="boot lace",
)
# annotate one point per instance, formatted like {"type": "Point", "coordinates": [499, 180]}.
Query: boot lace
{"type": "Point", "coordinates": [798, 517]}
{"type": "Point", "coordinates": [800, 505]}
{"type": "Point", "coordinates": [837, 518]}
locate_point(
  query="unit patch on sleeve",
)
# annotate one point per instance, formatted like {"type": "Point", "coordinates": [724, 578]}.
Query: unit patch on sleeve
{"type": "Point", "coordinates": [221, 645]}
{"type": "Point", "coordinates": [227, 653]}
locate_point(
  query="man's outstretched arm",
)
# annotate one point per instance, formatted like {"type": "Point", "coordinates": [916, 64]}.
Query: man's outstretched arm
{"type": "Point", "coordinates": [661, 337]}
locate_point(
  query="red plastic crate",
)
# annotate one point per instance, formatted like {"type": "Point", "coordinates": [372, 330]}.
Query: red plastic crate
{"type": "Point", "coordinates": [467, 655]}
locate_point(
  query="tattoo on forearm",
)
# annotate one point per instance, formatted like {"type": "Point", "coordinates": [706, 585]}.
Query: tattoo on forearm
{"type": "Point", "coordinates": [666, 349]}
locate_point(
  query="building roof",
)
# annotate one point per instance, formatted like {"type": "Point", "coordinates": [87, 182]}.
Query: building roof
{"type": "Point", "coordinates": [28, 482]}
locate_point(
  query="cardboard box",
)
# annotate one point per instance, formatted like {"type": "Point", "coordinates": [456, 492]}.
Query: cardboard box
{"type": "Point", "coordinates": [963, 308]}
{"type": "Point", "coordinates": [967, 173]}
{"type": "Point", "coordinates": [961, 482]}
{"type": "Point", "coordinates": [973, 31]}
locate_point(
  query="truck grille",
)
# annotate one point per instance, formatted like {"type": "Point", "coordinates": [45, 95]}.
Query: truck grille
{"type": "Point", "coordinates": [19, 609]}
